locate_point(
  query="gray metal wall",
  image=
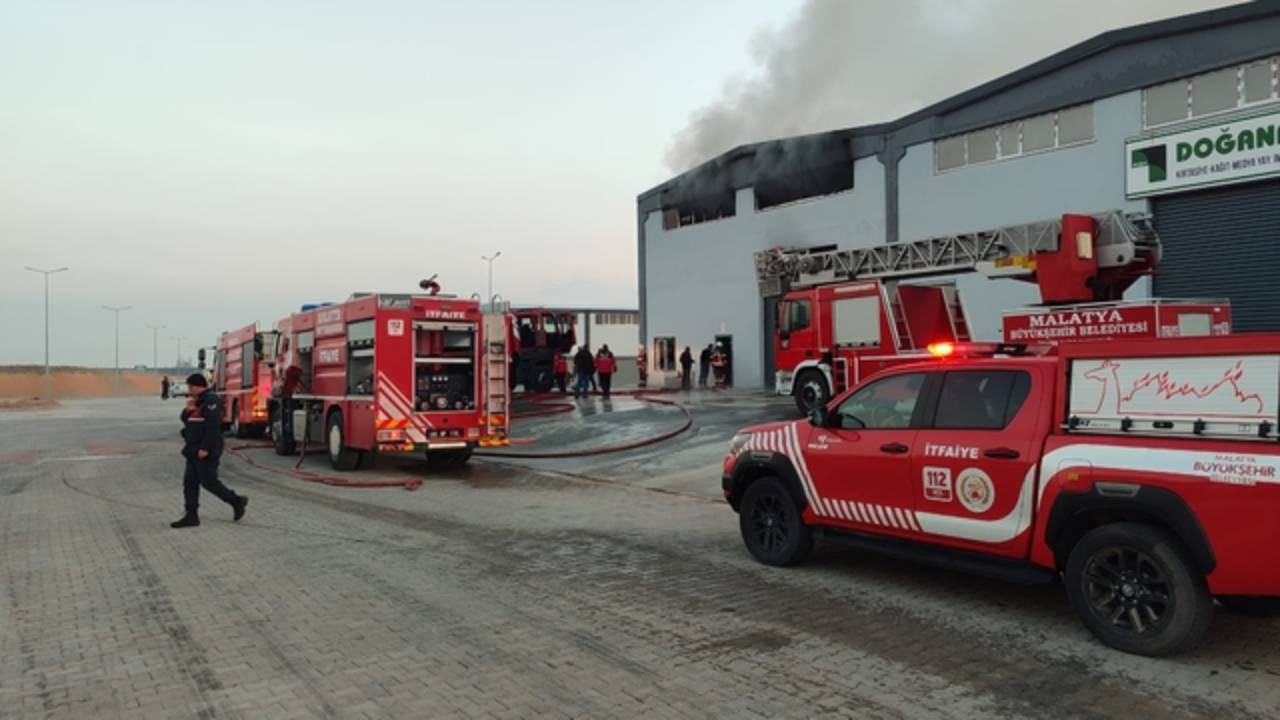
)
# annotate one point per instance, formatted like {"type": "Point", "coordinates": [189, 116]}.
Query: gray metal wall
{"type": "Point", "coordinates": [700, 280]}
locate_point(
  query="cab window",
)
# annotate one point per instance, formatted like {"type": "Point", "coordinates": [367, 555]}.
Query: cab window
{"type": "Point", "coordinates": [981, 399]}
{"type": "Point", "coordinates": [796, 316]}
{"type": "Point", "coordinates": [884, 404]}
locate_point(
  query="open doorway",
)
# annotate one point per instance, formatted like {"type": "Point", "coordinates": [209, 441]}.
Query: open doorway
{"type": "Point", "coordinates": [722, 361]}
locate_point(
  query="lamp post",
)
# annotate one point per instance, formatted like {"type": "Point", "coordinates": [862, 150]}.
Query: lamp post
{"type": "Point", "coordinates": [117, 311]}
{"type": "Point", "coordinates": [489, 259]}
{"type": "Point", "coordinates": [178, 362]}
{"type": "Point", "coordinates": [44, 393]}
{"type": "Point", "coordinates": [155, 345]}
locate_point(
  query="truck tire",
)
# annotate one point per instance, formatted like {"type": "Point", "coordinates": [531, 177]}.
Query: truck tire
{"type": "Point", "coordinates": [238, 428]}
{"type": "Point", "coordinates": [282, 442]}
{"type": "Point", "coordinates": [771, 526]}
{"type": "Point", "coordinates": [811, 391]}
{"type": "Point", "coordinates": [543, 379]}
{"type": "Point", "coordinates": [1135, 588]}
{"type": "Point", "coordinates": [341, 457]}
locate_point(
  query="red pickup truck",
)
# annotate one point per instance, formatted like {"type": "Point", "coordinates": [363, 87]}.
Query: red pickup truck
{"type": "Point", "coordinates": [1145, 474]}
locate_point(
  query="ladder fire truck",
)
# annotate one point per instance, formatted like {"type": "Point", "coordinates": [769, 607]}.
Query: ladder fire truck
{"type": "Point", "coordinates": [844, 314]}
{"type": "Point", "coordinates": [391, 372]}
{"type": "Point", "coordinates": [242, 376]}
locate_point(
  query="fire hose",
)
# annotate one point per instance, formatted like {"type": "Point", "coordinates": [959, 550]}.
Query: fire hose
{"type": "Point", "coordinates": [642, 395]}
{"type": "Point", "coordinates": [333, 480]}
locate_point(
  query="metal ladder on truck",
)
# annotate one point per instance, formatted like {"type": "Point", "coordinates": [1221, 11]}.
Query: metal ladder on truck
{"type": "Point", "coordinates": [1122, 240]}
{"type": "Point", "coordinates": [497, 390]}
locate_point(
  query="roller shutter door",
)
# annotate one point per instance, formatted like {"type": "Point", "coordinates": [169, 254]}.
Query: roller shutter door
{"type": "Point", "coordinates": [1224, 243]}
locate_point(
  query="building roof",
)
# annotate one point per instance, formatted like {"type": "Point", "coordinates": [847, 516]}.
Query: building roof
{"type": "Point", "coordinates": [1108, 64]}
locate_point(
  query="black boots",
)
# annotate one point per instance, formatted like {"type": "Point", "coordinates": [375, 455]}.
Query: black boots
{"type": "Point", "coordinates": [188, 520]}
{"type": "Point", "coordinates": [242, 502]}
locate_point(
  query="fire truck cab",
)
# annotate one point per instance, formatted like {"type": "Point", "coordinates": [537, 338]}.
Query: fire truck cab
{"type": "Point", "coordinates": [537, 335]}
{"type": "Point", "coordinates": [242, 373]}
{"type": "Point", "coordinates": [391, 373]}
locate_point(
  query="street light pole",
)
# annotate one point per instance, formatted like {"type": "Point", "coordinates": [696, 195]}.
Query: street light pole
{"type": "Point", "coordinates": [178, 362]}
{"type": "Point", "coordinates": [117, 311]}
{"type": "Point", "coordinates": [44, 395]}
{"type": "Point", "coordinates": [155, 345]}
{"type": "Point", "coordinates": [489, 259]}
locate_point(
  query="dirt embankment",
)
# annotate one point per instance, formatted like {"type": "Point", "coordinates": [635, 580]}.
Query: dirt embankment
{"type": "Point", "coordinates": [26, 382]}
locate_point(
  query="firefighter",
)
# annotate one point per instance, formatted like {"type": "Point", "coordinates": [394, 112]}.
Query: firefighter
{"type": "Point", "coordinates": [560, 369]}
{"type": "Point", "coordinates": [164, 388]}
{"type": "Point", "coordinates": [605, 366]}
{"type": "Point", "coordinates": [584, 367]}
{"type": "Point", "coordinates": [704, 365]}
{"type": "Point", "coordinates": [642, 367]}
{"type": "Point", "coordinates": [686, 367]}
{"type": "Point", "coordinates": [202, 447]}
{"type": "Point", "coordinates": [720, 366]}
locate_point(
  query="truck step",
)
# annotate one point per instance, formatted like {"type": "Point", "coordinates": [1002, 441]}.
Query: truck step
{"type": "Point", "coordinates": [1013, 571]}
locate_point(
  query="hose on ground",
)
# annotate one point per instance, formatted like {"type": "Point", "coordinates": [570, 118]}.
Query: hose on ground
{"type": "Point", "coordinates": [333, 480]}
{"type": "Point", "coordinates": [642, 395]}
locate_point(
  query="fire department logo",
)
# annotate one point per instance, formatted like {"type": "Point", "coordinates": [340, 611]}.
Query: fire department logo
{"type": "Point", "coordinates": [975, 490]}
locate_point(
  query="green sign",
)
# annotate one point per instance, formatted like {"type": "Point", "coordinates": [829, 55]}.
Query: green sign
{"type": "Point", "coordinates": [1238, 151]}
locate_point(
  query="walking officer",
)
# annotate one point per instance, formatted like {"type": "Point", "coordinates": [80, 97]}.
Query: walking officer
{"type": "Point", "coordinates": [202, 447]}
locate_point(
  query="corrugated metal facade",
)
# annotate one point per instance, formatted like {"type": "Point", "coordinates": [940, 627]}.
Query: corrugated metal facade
{"type": "Point", "coordinates": [1224, 243]}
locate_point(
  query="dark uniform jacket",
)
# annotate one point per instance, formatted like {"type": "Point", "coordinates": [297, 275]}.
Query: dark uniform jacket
{"type": "Point", "coordinates": [202, 427]}
{"type": "Point", "coordinates": [584, 363]}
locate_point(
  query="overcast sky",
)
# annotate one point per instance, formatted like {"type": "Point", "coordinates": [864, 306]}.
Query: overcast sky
{"type": "Point", "coordinates": [212, 164]}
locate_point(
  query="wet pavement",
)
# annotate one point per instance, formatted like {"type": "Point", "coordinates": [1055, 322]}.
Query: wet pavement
{"type": "Point", "coordinates": [517, 588]}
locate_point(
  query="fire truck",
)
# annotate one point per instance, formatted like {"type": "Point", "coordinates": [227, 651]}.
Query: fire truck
{"type": "Point", "coordinates": [242, 376]}
{"type": "Point", "coordinates": [387, 372]}
{"type": "Point", "coordinates": [844, 314]}
{"type": "Point", "coordinates": [1144, 473]}
{"type": "Point", "coordinates": [536, 336]}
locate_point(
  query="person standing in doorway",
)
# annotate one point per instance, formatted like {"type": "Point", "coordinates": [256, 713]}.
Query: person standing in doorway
{"type": "Point", "coordinates": [704, 366]}
{"type": "Point", "coordinates": [686, 368]}
{"type": "Point", "coordinates": [584, 367]}
{"type": "Point", "coordinates": [202, 447]}
{"type": "Point", "coordinates": [642, 367]}
{"type": "Point", "coordinates": [164, 388]}
{"type": "Point", "coordinates": [605, 366]}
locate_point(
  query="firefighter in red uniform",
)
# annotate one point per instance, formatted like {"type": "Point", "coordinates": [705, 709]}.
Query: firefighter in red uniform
{"type": "Point", "coordinates": [202, 447]}
{"type": "Point", "coordinates": [560, 369]}
{"type": "Point", "coordinates": [606, 364]}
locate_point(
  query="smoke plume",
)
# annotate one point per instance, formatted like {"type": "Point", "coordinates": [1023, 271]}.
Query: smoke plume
{"type": "Point", "coordinates": [842, 63]}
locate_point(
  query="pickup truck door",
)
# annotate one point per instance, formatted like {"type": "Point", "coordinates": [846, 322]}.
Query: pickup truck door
{"type": "Point", "coordinates": [972, 462]}
{"type": "Point", "coordinates": [861, 462]}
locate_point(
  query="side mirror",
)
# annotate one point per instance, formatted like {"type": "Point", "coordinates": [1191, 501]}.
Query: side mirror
{"type": "Point", "coordinates": [818, 418]}
{"type": "Point", "coordinates": [200, 358]}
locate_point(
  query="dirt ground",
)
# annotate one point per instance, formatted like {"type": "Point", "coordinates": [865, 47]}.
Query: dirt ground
{"type": "Point", "coordinates": [26, 382]}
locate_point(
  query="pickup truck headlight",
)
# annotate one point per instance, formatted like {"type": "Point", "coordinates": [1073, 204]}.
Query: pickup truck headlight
{"type": "Point", "coordinates": [738, 442]}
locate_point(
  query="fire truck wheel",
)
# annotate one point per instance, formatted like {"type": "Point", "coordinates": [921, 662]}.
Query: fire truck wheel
{"type": "Point", "coordinates": [341, 457]}
{"type": "Point", "coordinates": [543, 380]}
{"type": "Point", "coordinates": [771, 526]}
{"type": "Point", "coordinates": [811, 391]}
{"type": "Point", "coordinates": [237, 428]}
{"type": "Point", "coordinates": [283, 445]}
{"type": "Point", "coordinates": [1134, 587]}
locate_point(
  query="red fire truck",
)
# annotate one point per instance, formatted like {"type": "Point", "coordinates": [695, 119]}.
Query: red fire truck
{"type": "Point", "coordinates": [1144, 473]}
{"type": "Point", "coordinates": [844, 314]}
{"type": "Point", "coordinates": [242, 376]}
{"type": "Point", "coordinates": [537, 335]}
{"type": "Point", "coordinates": [391, 373]}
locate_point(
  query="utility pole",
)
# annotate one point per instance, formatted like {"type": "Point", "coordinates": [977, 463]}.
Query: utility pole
{"type": "Point", "coordinates": [155, 345]}
{"type": "Point", "coordinates": [489, 259]}
{"type": "Point", "coordinates": [44, 394]}
{"type": "Point", "coordinates": [179, 339]}
{"type": "Point", "coordinates": [117, 311]}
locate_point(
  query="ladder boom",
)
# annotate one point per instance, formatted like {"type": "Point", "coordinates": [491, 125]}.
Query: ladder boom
{"type": "Point", "coordinates": [1122, 239]}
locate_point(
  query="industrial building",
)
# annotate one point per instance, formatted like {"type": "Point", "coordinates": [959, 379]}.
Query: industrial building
{"type": "Point", "coordinates": [1178, 118]}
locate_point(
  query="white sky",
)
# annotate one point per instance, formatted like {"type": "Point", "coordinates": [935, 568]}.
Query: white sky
{"type": "Point", "coordinates": [212, 164]}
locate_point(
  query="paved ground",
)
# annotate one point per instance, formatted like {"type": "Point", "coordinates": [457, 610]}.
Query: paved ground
{"type": "Point", "coordinates": [503, 591]}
